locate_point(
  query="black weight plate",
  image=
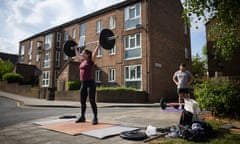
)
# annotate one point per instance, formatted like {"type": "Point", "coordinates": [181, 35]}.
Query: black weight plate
{"type": "Point", "coordinates": [68, 48]}
{"type": "Point", "coordinates": [133, 135]}
{"type": "Point", "coordinates": [104, 41]}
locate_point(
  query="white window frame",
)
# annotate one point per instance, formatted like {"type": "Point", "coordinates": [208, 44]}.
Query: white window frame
{"type": "Point", "coordinates": [133, 68]}
{"type": "Point", "coordinates": [134, 10]}
{"type": "Point", "coordinates": [99, 26]}
{"type": "Point", "coordinates": [57, 62]}
{"type": "Point", "coordinates": [112, 75]}
{"type": "Point", "coordinates": [66, 36]}
{"type": "Point", "coordinates": [48, 42]}
{"type": "Point", "coordinates": [98, 76]}
{"type": "Point", "coordinates": [46, 79]}
{"type": "Point", "coordinates": [58, 40]}
{"type": "Point", "coordinates": [37, 57]}
{"type": "Point", "coordinates": [30, 50]}
{"type": "Point", "coordinates": [99, 52]}
{"type": "Point", "coordinates": [136, 15]}
{"type": "Point", "coordinates": [74, 32]}
{"type": "Point", "coordinates": [22, 51]}
{"type": "Point", "coordinates": [128, 39]}
{"type": "Point", "coordinates": [112, 22]}
{"type": "Point", "coordinates": [47, 60]}
{"type": "Point", "coordinates": [113, 50]}
{"type": "Point", "coordinates": [127, 12]}
{"type": "Point", "coordinates": [82, 37]}
{"type": "Point", "coordinates": [82, 40]}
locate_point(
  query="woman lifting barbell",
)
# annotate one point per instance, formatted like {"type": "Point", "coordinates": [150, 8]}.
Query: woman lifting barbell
{"type": "Point", "coordinates": [86, 68]}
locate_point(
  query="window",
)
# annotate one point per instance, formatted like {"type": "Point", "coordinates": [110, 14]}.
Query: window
{"type": "Point", "coordinates": [48, 41]}
{"type": "Point", "coordinates": [47, 59]}
{"type": "Point", "coordinates": [57, 63]}
{"type": "Point", "coordinates": [132, 16]}
{"type": "Point", "coordinates": [21, 58]}
{"type": "Point", "coordinates": [99, 52]}
{"type": "Point", "coordinates": [98, 76]}
{"type": "Point", "coordinates": [82, 34]}
{"type": "Point", "coordinates": [46, 79]}
{"type": "Point", "coordinates": [112, 51]}
{"type": "Point", "coordinates": [132, 46]}
{"type": "Point", "coordinates": [37, 57]}
{"type": "Point", "coordinates": [112, 22]}
{"type": "Point", "coordinates": [133, 76]}
{"type": "Point", "coordinates": [74, 33]}
{"type": "Point", "coordinates": [99, 26]}
{"type": "Point", "coordinates": [30, 50]}
{"type": "Point", "coordinates": [66, 36]}
{"type": "Point", "coordinates": [112, 75]}
{"type": "Point", "coordinates": [22, 50]}
{"type": "Point", "coordinates": [58, 40]}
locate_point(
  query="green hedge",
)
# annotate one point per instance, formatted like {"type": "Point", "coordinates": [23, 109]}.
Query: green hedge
{"type": "Point", "coordinates": [116, 88]}
{"type": "Point", "coordinates": [12, 77]}
{"type": "Point", "coordinates": [74, 85]}
{"type": "Point", "coordinates": [222, 98]}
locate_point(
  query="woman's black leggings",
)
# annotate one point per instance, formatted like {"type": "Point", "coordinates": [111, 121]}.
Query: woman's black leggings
{"type": "Point", "coordinates": [88, 87]}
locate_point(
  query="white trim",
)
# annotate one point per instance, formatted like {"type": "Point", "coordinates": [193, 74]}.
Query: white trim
{"type": "Point", "coordinates": [112, 75]}
{"type": "Point", "coordinates": [98, 76]}
{"type": "Point", "coordinates": [46, 81]}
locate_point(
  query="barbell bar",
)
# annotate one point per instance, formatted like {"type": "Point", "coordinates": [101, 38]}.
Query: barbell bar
{"type": "Point", "coordinates": [106, 40]}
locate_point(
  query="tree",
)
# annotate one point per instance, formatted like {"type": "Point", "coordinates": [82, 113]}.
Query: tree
{"type": "Point", "coordinates": [204, 51]}
{"type": "Point", "coordinates": [226, 30]}
{"type": "Point", "coordinates": [198, 66]}
{"type": "Point", "coordinates": [5, 67]}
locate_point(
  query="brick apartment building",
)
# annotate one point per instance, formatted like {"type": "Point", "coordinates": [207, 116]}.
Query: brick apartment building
{"type": "Point", "coordinates": [217, 65]}
{"type": "Point", "coordinates": [152, 41]}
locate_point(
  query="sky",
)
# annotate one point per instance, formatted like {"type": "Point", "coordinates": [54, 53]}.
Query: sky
{"type": "Point", "coordinates": [20, 19]}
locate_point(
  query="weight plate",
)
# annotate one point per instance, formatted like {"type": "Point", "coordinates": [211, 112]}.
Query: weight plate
{"type": "Point", "coordinates": [104, 41]}
{"type": "Point", "coordinates": [68, 47]}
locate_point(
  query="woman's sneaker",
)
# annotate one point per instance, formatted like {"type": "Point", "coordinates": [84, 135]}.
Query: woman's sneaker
{"type": "Point", "coordinates": [95, 121]}
{"type": "Point", "coordinates": [81, 119]}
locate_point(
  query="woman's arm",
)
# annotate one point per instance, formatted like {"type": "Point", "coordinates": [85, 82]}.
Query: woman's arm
{"type": "Point", "coordinates": [94, 55]}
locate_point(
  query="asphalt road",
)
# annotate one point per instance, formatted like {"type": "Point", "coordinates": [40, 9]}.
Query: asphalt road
{"type": "Point", "coordinates": [11, 113]}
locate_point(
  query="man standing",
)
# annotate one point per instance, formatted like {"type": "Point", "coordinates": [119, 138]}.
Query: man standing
{"type": "Point", "coordinates": [183, 79]}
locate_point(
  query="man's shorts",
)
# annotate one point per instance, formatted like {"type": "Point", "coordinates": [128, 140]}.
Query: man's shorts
{"type": "Point", "coordinates": [183, 90]}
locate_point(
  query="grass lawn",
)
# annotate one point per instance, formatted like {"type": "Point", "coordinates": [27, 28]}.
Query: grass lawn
{"type": "Point", "coordinates": [218, 136]}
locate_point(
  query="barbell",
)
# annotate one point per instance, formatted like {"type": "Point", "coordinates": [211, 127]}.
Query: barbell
{"type": "Point", "coordinates": [106, 40]}
{"type": "Point", "coordinates": [164, 105]}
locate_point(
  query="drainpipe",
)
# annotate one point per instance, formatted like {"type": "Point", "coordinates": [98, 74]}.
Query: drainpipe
{"type": "Point", "coordinates": [147, 47]}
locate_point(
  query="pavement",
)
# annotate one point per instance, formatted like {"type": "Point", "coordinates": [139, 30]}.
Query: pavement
{"type": "Point", "coordinates": [141, 116]}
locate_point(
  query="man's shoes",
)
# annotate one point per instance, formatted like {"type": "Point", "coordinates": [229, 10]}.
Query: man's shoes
{"type": "Point", "coordinates": [81, 119]}
{"type": "Point", "coordinates": [95, 121]}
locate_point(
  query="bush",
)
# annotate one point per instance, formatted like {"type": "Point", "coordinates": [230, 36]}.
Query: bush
{"type": "Point", "coordinates": [74, 85]}
{"type": "Point", "coordinates": [222, 98]}
{"type": "Point", "coordinates": [5, 67]}
{"type": "Point", "coordinates": [12, 77]}
{"type": "Point", "coordinates": [121, 95]}
{"type": "Point", "coordinates": [116, 89]}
